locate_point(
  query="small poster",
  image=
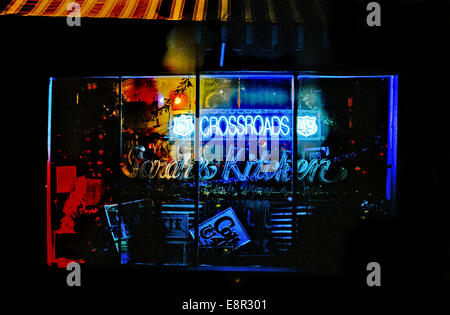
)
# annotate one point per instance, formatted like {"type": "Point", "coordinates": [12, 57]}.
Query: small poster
{"type": "Point", "coordinates": [223, 229]}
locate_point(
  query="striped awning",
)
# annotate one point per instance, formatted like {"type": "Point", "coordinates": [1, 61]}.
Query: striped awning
{"type": "Point", "coordinates": [249, 11]}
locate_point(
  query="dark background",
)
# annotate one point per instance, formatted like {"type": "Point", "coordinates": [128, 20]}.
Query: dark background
{"type": "Point", "coordinates": [412, 248]}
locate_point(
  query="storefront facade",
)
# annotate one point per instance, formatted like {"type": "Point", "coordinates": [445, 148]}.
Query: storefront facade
{"type": "Point", "coordinates": [253, 169]}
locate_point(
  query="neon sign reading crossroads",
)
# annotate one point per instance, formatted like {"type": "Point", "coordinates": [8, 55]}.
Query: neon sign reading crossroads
{"type": "Point", "coordinates": [246, 123]}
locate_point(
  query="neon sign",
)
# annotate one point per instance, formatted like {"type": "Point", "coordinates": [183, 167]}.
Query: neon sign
{"type": "Point", "coordinates": [306, 125]}
{"type": "Point", "coordinates": [234, 170]}
{"type": "Point", "coordinates": [241, 123]}
{"type": "Point", "coordinates": [183, 125]}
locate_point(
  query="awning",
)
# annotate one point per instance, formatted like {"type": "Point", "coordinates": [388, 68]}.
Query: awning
{"type": "Point", "coordinates": [247, 11]}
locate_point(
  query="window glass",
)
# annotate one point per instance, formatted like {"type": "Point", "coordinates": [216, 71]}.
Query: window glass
{"type": "Point", "coordinates": [84, 145]}
{"type": "Point", "coordinates": [342, 150]}
{"type": "Point", "coordinates": [245, 130]}
{"type": "Point", "coordinates": [157, 164]}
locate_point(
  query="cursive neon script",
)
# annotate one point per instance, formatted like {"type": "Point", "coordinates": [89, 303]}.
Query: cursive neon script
{"type": "Point", "coordinates": [261, 169]}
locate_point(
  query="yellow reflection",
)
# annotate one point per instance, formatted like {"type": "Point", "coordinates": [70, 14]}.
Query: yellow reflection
{"type": "Point", "coordinates": [181, 55]}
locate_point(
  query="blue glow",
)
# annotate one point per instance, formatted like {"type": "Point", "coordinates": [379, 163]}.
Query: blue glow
{"type": "Point", "coordinates": [306, 125]}
{"type": "Point", "coordinates": [223, 229]}
{"type": "Point", "coordinates": [282, 237]}
{"type": "Point", "coordinates": [222, 54]}
{"type": "Point", "coordinates": [392, 138]}
{"type": "Point", "coordinates": [183, 125]}
{"type": "Point", "coordinates": [309, 125]}
{"type": "Point", "coordinates": [49, 117]}
{"type": "Point", "coordinates": [188, 206]}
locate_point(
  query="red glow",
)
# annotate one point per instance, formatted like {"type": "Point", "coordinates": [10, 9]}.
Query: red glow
{"type": "Point", "coordinates": [100, 152]}
{"type": "Point", "coordinates": [74, 203]}
{"type": "Point", "coordinates": [179, 101]}
{"type": "Point", "coordinates": [94, 191]}
{"type": "Point", "coordinates": [140, 90]}
{"type": "Point", "coordinates": [350, 102]}
{"type": "Point", "coordinates": [65, 178]}
{"type": "Point", "coordinates": [357, 168]}
{"type": "Point", "coordinates": [100, 136]}
{"type": "Point", "coordinates": [63, 262]}
{"type": "Point", "coordinates": [50, 252]}
{"type": "Point", "coordinates": [381, 153]}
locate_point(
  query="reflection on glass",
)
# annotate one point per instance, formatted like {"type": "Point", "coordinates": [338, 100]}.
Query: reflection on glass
{"type": "Point", "coordinates": [157, 162]}
{"type": "Point", "coordinates": [245, 168]}
{"type": "Point", "coordinates": [341, 163]}
{"type": "Point", "coordinates": [84, 163]}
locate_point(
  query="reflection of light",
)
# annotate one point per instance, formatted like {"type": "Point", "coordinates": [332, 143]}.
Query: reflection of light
{"type": "Point", "coordinates": [161, 100]}
{"type": "Point", "coordinates": [177, 100]}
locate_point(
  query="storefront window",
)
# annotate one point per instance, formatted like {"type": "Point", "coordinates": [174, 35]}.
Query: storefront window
{"type": "Point", "coordinates": [268, 170]}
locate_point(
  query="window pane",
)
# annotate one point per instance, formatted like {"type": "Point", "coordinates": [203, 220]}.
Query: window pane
{"type": "Point", "coordinates": [157, 159]}
{"type": "Point", "coordinates": [342, 126]}
{"type": "Point", "coordinates": [245, 169]}
{"type": "Point", "coordinates": [85, 161]}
